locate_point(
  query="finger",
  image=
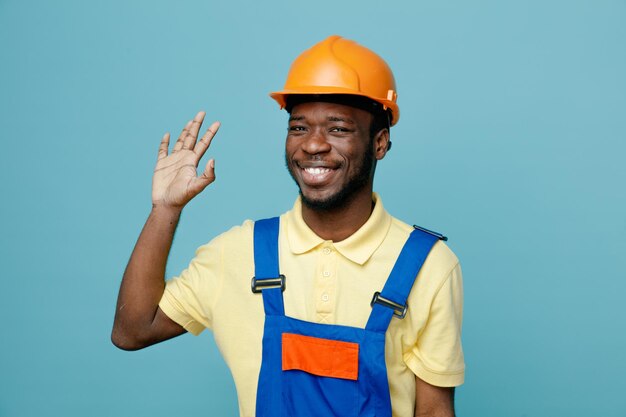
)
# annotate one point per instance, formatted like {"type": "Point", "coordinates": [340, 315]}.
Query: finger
{"type": "Point", "coordinates": [204, 143]}
{"type": "Point", "coordinates": [165, 143]}
{"type": "Point", "coordinates": [207, 177]}
{"type": "Point", "coordinates": [179, 143]}
{"type": "Point", "coordinates": [192, 133]}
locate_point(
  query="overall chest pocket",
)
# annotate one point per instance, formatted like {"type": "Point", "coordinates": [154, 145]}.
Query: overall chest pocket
{"type": "Point", "coordinates": [320, 376]}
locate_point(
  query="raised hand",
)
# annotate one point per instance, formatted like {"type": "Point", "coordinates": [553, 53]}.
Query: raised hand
{"type": "Point", "coordinates": [175, 181]}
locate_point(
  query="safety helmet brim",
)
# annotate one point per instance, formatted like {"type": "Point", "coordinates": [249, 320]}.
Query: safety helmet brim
{"type": "Point", "coordinates": [281, 98]}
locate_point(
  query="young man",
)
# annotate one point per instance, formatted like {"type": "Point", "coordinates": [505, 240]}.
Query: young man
{"type": "Point", "coordinates": [351, 311]}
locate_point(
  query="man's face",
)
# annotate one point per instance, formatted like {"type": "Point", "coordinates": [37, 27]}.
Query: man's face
{"type": "Point", "coordinates": [329, 153]}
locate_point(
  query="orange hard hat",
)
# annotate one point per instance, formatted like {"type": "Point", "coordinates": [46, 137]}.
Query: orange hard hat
{"type": "Point", "coordinates": [341, 66]}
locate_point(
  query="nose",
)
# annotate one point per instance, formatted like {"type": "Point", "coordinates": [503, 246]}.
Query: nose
{"type": "Point", "coordinates": [316, 143]}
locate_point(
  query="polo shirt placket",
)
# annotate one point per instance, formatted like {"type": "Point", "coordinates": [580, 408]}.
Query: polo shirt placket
{"type": "Point", "coordinates": [325, 284]}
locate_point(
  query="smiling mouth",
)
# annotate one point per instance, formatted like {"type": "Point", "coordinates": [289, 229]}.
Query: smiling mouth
{"type": "Point", "coordinates": [317, 170]}
{"type": "Point", "coordinates": [316, 176]}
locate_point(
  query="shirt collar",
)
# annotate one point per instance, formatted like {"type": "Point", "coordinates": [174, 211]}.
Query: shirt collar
{"type": "Point", "coordinates": [358, 248]}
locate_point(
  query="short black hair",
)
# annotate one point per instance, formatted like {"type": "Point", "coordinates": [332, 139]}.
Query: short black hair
{"type": "Point", "coordinates": [381, 116]}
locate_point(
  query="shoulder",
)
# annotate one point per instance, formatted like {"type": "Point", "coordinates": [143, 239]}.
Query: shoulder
{"type": "Point", "coordinates": [402, 228]}
{"type": "Point", "coordinates": [241, 234]}
{"type": "Point", "coordinates": [238, 237]}
{"type": "Point", "coordinates": [440, 261]}
{"type": "Point", "coordinates": [237, 233]}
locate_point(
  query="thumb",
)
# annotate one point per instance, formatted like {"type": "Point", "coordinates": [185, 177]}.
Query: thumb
{"type": "Point", "coordinates": [207, 177]}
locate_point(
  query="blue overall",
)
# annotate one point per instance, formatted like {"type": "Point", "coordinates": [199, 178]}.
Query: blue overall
{"type": "Point", "coordinates": [363, 389]}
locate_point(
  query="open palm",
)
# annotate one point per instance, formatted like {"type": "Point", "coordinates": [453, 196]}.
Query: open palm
{"type": "Point", "coordinates": [175, 181]}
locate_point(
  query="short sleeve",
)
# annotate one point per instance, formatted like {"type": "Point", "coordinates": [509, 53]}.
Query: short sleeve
{"type": "Point", "coordinates": [188, 298]}
{"type": "Point", "coordinates": [437, 357]}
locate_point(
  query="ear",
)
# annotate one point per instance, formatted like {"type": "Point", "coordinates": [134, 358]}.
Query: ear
{"type": "Point", "coordinates": [382, 143]}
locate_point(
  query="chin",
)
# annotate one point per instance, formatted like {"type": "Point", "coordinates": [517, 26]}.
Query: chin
{"type": "Point", "coordinates": [328, 203]}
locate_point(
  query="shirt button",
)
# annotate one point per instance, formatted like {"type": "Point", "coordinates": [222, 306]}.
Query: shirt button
{"type": "Point", "coordinates": [326, 274]}
{"type": "Point", "coordinates": [325, 297]}
{"type": "Point", "coordinates": [326, 251]}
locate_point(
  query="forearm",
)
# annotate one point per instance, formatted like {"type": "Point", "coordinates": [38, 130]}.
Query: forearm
{"type": "Point", "coordinates": [143, 282]}
{"type": "Point", "coordinates": [138, 320]}
{"type": "Point", "coordinates": [432, 401]}
{"type": "Point", "coordinates": [446, 412]}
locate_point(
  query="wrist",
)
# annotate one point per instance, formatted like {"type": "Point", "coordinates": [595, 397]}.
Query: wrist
{"type": "Point", "coordinates": [166, 210]}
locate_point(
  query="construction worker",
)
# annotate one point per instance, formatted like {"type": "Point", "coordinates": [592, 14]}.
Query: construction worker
{"type": "Point", "coordinates": [335, 308]}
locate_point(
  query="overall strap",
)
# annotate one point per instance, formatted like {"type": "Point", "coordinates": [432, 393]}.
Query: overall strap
{"type": "Point", "coordinates": [398, 286]}
{"type": "Point", "coordinates": [267, 278]}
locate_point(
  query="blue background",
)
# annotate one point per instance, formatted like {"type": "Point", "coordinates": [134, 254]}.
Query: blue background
{"type": "Point", "coordinates": [511, 141]}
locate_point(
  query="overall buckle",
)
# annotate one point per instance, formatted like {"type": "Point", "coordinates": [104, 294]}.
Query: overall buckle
{"type": "Point", "coordinates": [399, 310]}
{"type": "Point", "coordinates": [430, 232]}
{"type": "Point", "coordinates": [260, 284]}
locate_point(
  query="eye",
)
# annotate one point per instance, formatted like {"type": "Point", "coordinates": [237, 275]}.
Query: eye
{"type": "Point", "coordinates": [340, 129]}
{"type": "Point", "coordinates": [296, 128]}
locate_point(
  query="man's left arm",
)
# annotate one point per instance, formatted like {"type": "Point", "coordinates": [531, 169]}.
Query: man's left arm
{"type": "Point", "coordinates": [432, 401]}
{"type": "Point", "coordinates": [437, 358]}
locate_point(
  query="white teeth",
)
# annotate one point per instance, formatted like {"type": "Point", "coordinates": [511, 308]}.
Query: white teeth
{"type": "Point", "coordinates": [317, 171]}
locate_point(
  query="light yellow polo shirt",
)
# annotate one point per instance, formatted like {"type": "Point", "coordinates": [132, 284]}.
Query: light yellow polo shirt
{"type": "Point", "coordinates": [326, 282]}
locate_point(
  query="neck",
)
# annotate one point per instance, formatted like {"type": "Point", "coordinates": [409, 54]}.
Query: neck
{"type": "Point", "coordinates": [342, 222]}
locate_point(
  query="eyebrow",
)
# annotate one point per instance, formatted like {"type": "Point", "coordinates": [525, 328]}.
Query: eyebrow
{"type": "Point", "coordinates": [340, 119]}
{"type": "Point", "coordinates": [295, 118]}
